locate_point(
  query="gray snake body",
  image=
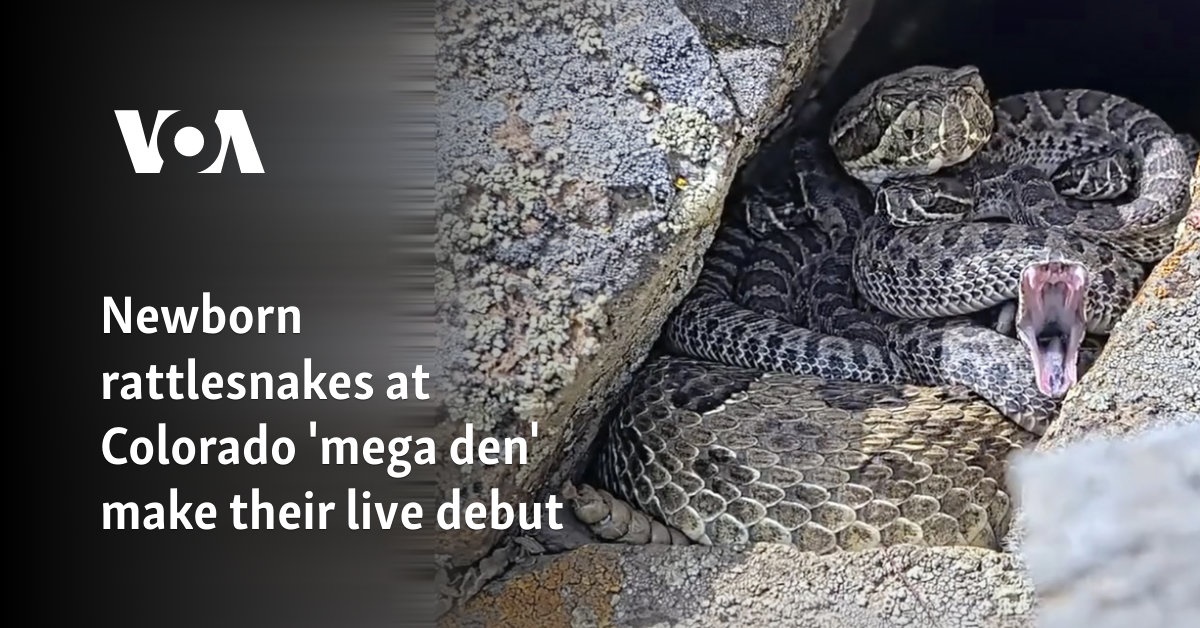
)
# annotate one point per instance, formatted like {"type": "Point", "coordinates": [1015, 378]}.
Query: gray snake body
{"type": "Point", "coordinates": [796, 408]}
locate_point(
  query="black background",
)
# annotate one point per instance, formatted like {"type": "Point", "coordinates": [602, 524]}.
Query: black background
{"type": "Point", "coordinates": [1146, 51]}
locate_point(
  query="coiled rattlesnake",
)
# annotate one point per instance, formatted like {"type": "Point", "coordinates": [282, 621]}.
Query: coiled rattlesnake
{"type": "Point", "coordinates": [776, 429]}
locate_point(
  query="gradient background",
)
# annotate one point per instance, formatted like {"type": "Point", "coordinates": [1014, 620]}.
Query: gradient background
{"type": "Point", "coordinates": [323, 100]}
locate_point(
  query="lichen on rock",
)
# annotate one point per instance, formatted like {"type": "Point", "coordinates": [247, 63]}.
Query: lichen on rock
{"type": "Point", "coordinates": [584, 151]}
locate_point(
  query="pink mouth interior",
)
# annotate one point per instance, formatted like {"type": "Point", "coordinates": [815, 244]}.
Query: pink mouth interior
{"type": "Point", "coordinates": [1052, 322]}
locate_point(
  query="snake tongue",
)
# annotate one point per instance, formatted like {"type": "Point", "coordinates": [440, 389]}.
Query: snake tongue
{"type": "Point", "coordinates": [1052, 322]}
{"type": "Point", "coordinates": [1054, 364]}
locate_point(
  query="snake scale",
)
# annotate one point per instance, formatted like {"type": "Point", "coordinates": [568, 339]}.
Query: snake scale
{"type": "Point", "coordinates": [835, 378]}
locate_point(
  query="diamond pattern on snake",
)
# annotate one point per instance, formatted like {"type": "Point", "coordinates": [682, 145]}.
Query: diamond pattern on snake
{"type": "Point", "coordinates": [838, 379]}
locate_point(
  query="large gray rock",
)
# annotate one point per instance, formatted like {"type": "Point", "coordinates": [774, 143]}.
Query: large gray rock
{"type": "Point", "coordinates": [585, 150]}
{"type": "Point", "coordinates": [1112, 535]}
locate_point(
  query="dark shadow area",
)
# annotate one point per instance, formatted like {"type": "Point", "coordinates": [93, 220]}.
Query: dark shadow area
{"type": "Point", "coordinates": [1146, 51]}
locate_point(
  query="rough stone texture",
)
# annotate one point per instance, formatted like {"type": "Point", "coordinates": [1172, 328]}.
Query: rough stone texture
{"type": "Point", "coordinates": [761, 585]}
{"type": "Point", "coordinates": [752, 39]}
{"type": "Point", "coordinates": [585, 149]}
{"type": "Point", "coordinates": [1112, 535]}
{"type": "Point", "coordinates": [728, 23]}
{"type": "Point", "coordinates": [1193, 217]}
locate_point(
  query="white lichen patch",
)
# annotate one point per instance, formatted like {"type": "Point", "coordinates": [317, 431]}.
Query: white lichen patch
{"type": "Point", "coordinates": [506, 201]}
{"type": "Point", "coordinates": [687, 131]}
{"type": "Point", "coordinates": [519, 330]}
{"type": "Point", "coordinates": [477, 31]}
{"type": "Point", "coordinates": [636, 79]}
{"type": "Point", "coordinates": [589, 37]}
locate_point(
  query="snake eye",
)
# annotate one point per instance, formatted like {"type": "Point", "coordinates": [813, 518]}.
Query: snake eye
{"type": "Point", "coordinates": [889, 105]}
{"type": "Point", "coordinates": [910, 134]}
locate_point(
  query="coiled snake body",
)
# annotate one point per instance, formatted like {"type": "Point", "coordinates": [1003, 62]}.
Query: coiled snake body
{"type": "Point", "coordinates": [828, 382]}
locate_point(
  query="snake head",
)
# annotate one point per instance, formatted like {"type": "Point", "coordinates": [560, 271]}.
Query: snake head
{"type": "Point", "coordinates": [923, 201]}
{"type": "Point", "coordinates": [1052, 320]}
{"type": "Point", "coordinates": [1102, 176]}
{"type": "Point", "coordinates": [913, 122]}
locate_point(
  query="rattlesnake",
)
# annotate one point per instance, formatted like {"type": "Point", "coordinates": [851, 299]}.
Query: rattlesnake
{"type": "Point", "coordinates": [772, 429]}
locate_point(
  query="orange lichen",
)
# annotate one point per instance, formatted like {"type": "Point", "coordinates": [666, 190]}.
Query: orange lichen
{"type": "Point", "coordinates": [1169, 264]}
{"type": "Point", "coordinates": [1160, 282]}
{"type": "Point", "coordinates": [582, 582]}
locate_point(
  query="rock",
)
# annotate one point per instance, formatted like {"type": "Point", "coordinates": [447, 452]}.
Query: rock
{"type": "Point", "coordinates": [751, 38]}
{"type": "Point", "coordinates": [1192, 222]}
{"type": "Point", "coordinates": [734, 24]}
{"type": "Point", "coordinates": [1147, 374]}
{"type": "Point", "coordinates": [1112, 534]}
{"type": "Point", "coordinates": [760, 585]}
{"type": "Point", "coordinates": [585, 150]}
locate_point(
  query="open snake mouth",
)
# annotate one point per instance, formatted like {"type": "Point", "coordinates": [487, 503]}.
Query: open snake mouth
{"type": "Point", "coordinates": [1052, 321]}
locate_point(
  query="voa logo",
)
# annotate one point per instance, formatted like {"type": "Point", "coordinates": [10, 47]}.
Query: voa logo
{"type": "Point", "coordinates": [179, 142]}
